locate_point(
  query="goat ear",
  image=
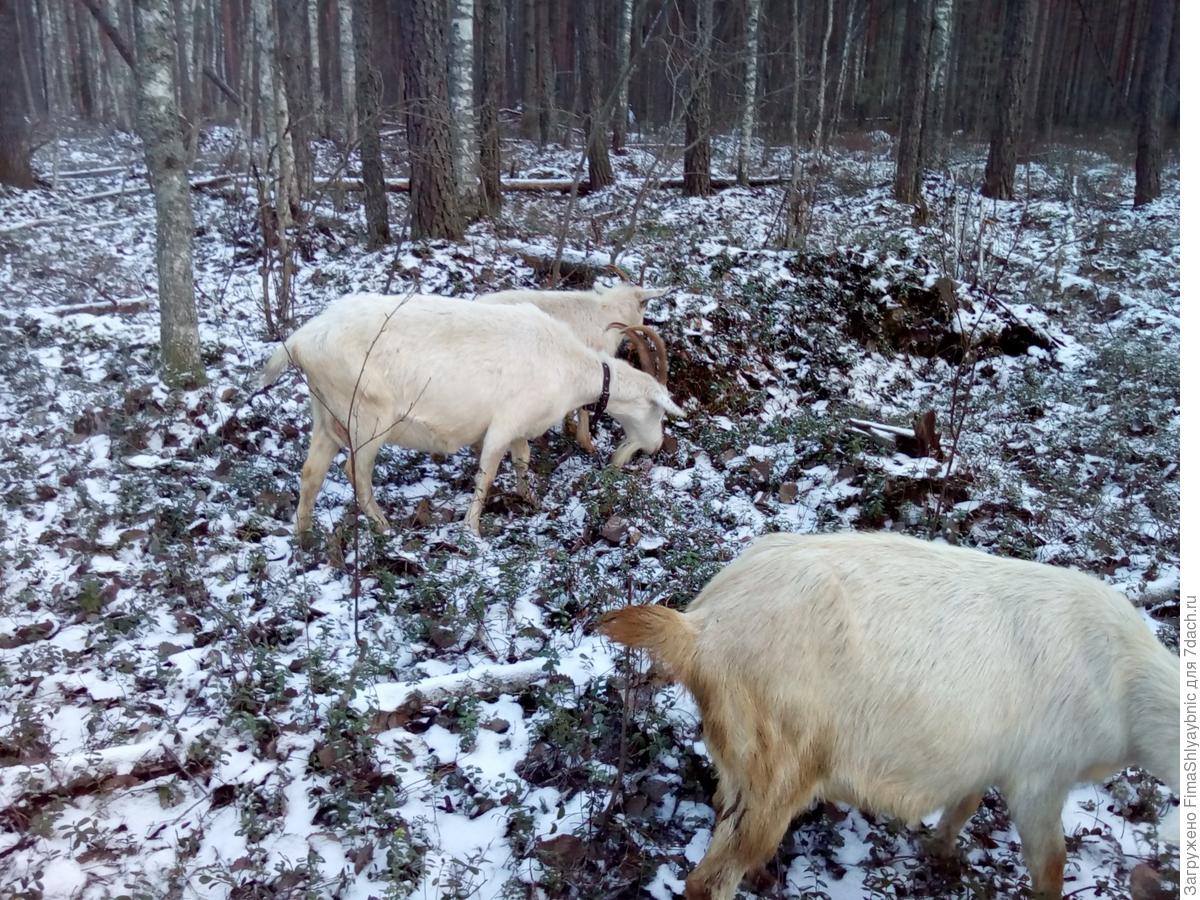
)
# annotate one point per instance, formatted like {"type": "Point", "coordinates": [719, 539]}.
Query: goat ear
{"type": "Point", "coordinates": [645, 295]}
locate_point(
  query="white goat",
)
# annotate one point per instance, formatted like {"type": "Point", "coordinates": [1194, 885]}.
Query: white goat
{"type": "Point", "coordinates": [906, 676]}
{"type": "Point", "coordinates": [601, 318]}
{"type": "Point", "coordinates": [587, 313]}
{"type": "Point", "coordinates": [438, 374]}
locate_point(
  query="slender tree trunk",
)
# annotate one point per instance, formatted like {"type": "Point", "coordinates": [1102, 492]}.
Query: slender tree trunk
{"type": "Point", "coordinates": [279, 164]}
{"type": "Point", "coordinates": [158, 124]}
{"type": "Point", "coordinates": [187, 90]}
{"type": "Point", "coordinates": [292, 17]}
{"type": "Point", "coordinates": [818, 137]}
{"type": "Point", "coordinates": [909, 176]}
{"type": "Point", "coordinates": [315, 91]}
{"type": "Point", "coordinates": [932, 138]}
{"type": "Point", "coordinates": [492, 75]}
{"type": "Point", "coordinates": [346, 58]}
{"type": "Point", "coordinates": [749, 92]}
{"type": "Point", "coordinates": [697, 155]}
{"type": "Point", "coordinates": [15, 150]}
{"type": "Point", "coordinates": [600, 173]}
{"type": "Point", "coordinates": [1150, 106]}
{"type": "Point", "coordinates": [852, 22]}
{"type": "Point", "coordinates": [620, 117]}
{"type": "Point", "coordinates": [432, 196]}
{"type": "Point", "coordinates": [530, 85]}
{"type": "Point", "coordinates": [548, 73]}
{"type": "Point", "coordinates": [1001, 172]}
{"type": "Point", "coordinates": [462, 106]}
{"type": "Point", "coordinates": [369, 87]}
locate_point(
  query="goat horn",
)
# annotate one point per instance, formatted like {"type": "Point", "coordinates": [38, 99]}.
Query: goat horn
{"type": "Point", "coordinates": [614, 269]}
{"type": "Point", "coordinates": [644, 354]}
{"type": "Point", "coordinates": [660, 352]}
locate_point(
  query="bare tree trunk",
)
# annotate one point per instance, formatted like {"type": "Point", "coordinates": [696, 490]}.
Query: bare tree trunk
{"type": "Point", "coordinates": [620, 117]}
{"type": "Point", "coordinates": [1148, 167]}
{"type": "Point", "coordinates": [909, 176]}
{"type": "Point", "coordinates": [427, 113]}
{"type": "Point", "coordinates": [1007, 124]}
{"type": "Point", "coordinates": [852, 21]}
{"type": "Point", "coordinates": [462, 106]}
{"type": "Point", "coordinates": [369, 87]}
{"type": "Point", "coordinates": [548, 73]}
{"type": "Point", "coordinates": [346, 58]}
{"type": "Point", "coordinates": [290, 52]}
{"type": "Point", "coordinates": [749, 91]}
{"type": "Point", "coordinates": [16, 168]}
{"type": "Point", "coordinates": [530, 85]}
{"type": "Point", "coordinates": [320, 126]}
{"type": "Point", "coordinates": [158, 125]}
{"type": "Point", "coordinates": [187, 92]}
{"type": "Point", "coordinates": [492, 74]}
{"type": "Point", "coordinates": [600, 173]}
{"type": "Point", "coordinates": [273, 104]}
{"type": "Point", "coordinates": [935, 107]}
{"type": "Point", "coordinates": [818, 138]}
{"type": "Point", "coordinates": [697, 155]}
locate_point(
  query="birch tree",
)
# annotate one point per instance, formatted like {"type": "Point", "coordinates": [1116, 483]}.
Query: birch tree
{"type": "Point", "coordinates": [346, 60]}
{"type": "Point", "coordinates": [15, 149]}
{"type": "Point", "coordinates": [818, 137]}
{"type": "Point", "coordinates": [620, 119]}
{"type": "Point", "coordinates": [935, 107]}
{"type": "Point", "coordinates": [276, 163]}
{"type": "Point", "coordinates": [462, 106]}
{"type": "Point", "coordinates": [158, 126]}
{"type": "Point", "coordinates": [313, 9]}
{"type": "Point", "coordinates": [749, 90]}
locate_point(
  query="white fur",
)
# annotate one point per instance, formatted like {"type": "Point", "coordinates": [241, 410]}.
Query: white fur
{"type": "Point", "coordinates": [439, 374]}
{"type": "Point", "coordinates": [587, 313]}
{"type": "Point", "coordinates": [906, 676]}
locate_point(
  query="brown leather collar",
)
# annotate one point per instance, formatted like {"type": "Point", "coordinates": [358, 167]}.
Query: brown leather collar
{"type": "Point", "coordinates": [597, 408]}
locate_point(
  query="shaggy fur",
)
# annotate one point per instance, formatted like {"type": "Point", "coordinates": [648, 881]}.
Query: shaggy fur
{"type": "Point", "coordinates": [438, 374]}
{"type": "Point", "coordinates": [905, 676]}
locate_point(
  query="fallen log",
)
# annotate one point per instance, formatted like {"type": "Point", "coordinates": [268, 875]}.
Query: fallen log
{"type": "Point", "coordinates": [196, 184]}
{"type": "Point", "coordinates": [547, 185]}
{"type": "Point", "coordinates": [127, 307]}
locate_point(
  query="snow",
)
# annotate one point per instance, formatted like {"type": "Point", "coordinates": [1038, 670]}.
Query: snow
{"type": "Point", "coordinates": [414, 715]}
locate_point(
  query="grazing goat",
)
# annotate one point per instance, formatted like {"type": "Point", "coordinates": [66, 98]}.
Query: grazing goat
{"type": "Point", "coordinates": [601, 318]}
{"type": "Point", "coordinates": [905, 676]}
{"type": "Point", "coordinates": [438, 374]}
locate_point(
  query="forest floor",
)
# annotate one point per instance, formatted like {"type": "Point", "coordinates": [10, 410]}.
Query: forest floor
{"type": "Point", "coordinates": [192, 705]}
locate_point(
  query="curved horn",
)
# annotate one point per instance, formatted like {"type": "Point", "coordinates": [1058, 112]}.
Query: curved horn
{"type": "Point", "coordinates": [614, 269]}
{"type": "Point", "coordinates": [660, 352]}
{"type": "Point", "coordinates": [644, 354]}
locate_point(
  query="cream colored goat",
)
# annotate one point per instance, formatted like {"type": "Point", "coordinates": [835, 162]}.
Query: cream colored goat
{"type": "Point", "coordinates": [587, 313]}
{"type": "Point", "coordinates": [439, 374]}
{"type": "Point", "coordinates": [601, 318]}
{"type": "Point", "coordinates": [905, 676]}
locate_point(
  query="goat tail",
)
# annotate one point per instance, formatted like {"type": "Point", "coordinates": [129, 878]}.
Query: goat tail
{"type": "Point", "coordinates": [667, 634]}
{"type": "Point", "coordinates": [279, 361]}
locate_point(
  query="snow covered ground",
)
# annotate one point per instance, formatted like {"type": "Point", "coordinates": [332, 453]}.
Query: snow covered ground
{"type": "Point", "coordinates": [193, 705]}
